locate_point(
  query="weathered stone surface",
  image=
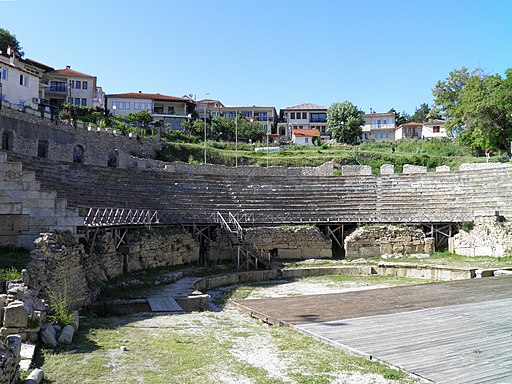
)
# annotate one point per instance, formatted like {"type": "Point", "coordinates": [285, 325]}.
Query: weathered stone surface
{"type": "Point", "coordinates": [66, 336]}
{"type": "Point", "coordinates": [373, 241]}
{"type": "Point", "coordinates": [16, 315]}
{"type": "Point", "coordinates": [9, 359]}
{"type": "Point", "coordinates": [356, 170]}
{"type": "Point", "coordinates": [488, 237]}
{"type": "Point", "coordinates": [34, 377]}
{"type": "Point", "coordinates": [48, 335]}
{"type": "Point", "coordinates": [387, 169]}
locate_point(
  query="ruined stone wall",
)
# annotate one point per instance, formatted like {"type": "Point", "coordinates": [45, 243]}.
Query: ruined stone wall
{"type": "Point", "coordinates": [291, 242]}
{"type": "Point", "coordinates": [159, 250]}
{"type": "Point", "coordinates": [326, 169]}
{"type": "Point", "coordinates": [10, 356]}
{"type": "Point", "coordinates": [61, 266]}
{"type": "Point", "coordinates": [99, 144]}
{"type": "Point", "coordinates": [375, 241]}
{"type": "Point", "coordinates": [488, 237]}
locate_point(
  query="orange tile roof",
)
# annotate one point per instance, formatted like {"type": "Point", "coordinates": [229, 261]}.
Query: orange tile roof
{"type": "Point", "coordinates": [306, 132]}
{"type": "Point", "coordinates": [152, 96]}
{"type": "Point", "coordinates": [69, 72]}
{"type": "Point", "coordinates": [306, 106]}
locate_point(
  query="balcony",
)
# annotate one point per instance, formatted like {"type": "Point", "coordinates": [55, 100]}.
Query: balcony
{"type": "Point", "coordinates": [57, 89]}
{"type": "Point", "coordinates": [318, 120]}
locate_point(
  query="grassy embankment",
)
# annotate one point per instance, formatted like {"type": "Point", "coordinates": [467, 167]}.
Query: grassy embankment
{"type": "Point", "coordinates": [431, 153]}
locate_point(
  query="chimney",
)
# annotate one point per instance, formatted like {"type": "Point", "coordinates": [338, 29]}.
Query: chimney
{"type": "Point", "coordinates": [140, 91]}
{"type": "Point", "coordinates": [68, 66]}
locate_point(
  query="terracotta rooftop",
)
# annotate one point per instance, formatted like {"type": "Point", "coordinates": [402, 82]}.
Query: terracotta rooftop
{"type": "Point", "coordinates": [306, 132]}
{"type": "Point", "coordinates": [152, 96]}
{"type": "Point", "coordinates": [307, 106]}
{"type": "Point", "coordinates": [69, 72]}
{"type": "Point", "coordinates": [411, 124]}
{"type": "Point", "coordinates": [246, 106]}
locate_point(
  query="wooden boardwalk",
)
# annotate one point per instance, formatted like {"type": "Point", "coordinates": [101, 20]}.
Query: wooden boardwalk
{"type": "Point", "coordinates": [453, 332]}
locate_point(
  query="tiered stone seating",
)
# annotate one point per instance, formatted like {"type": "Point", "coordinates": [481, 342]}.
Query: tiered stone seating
{"type": "Point", "coordinates": [350, 199]}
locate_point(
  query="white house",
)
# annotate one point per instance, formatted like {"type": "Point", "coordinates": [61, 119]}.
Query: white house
{"type": "Point", "coordinates": [379, 126]}
{"type": "Point", "coordinates": [71, 86]}
{"type": "Point", "coordinates": [265, 116]}
{"type": "Point", "coordinates": [18, 86]}
{"type": "Point", "coordinates": [169, 110]}
{"type": "Point", "coordinates": [426, 130]}
{"type": "Point", "coordinates": [433, 129]}
{"type": "Point", "coordinates": [305, 136]}
{"type": "Point", "coordinates": [303, 116]}
{"type": "Point", "coordinates": [208, 107]}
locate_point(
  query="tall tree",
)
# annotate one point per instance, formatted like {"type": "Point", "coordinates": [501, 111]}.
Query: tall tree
{"type": "Point", "coordinates": [421, 113]}
{"type": "Point", "coordinates": [478, 107]}
{"type": "Point", "coordinates": [7, 39]}
{"type": "Point", "coordinates": [400, 117]}
{"type": "Point", "coordinates": [344, 121]}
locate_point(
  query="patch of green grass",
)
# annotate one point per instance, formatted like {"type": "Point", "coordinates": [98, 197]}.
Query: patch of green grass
{"type": "Point", "coordinates": [12, 261]}
{"type": "Point", "coordinates": [368, 280]}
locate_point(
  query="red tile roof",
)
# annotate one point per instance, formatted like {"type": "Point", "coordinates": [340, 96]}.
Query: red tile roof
{"type": "Point", "coordinates": [411, 124]}
{"type": "Point", "coordinates": [306, 132]}
{"type": "Point", "coordinates": [69, 72]}
{"type": "Point", "coordinates": [152, 96]}
{"type": "Point", "coordinates": [307, 106]}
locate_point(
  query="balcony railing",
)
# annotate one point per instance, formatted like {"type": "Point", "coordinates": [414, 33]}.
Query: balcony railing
{"type": "Point", "coordinates": [58, 89]}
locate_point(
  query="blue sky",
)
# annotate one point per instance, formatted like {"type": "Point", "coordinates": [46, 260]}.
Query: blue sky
{"type": "Point", "coordinates": [376, 54]}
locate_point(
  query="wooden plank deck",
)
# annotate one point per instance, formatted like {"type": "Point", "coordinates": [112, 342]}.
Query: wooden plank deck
{"type": "Point", "coordinates": [454, 332]}
{"type": "Point", "coordinates": [164, 304]}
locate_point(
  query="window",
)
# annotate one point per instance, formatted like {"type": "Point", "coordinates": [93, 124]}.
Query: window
{"type": "Point", "coordinates": [77, 101]}
{"type": "Point", "coordinates": [42, 148]}
{"type": "Point", "coordinates": [231, 114]}
{"type": "Point", "coordinates": [378, 123]}
{"type": "Point", "coordinates": [382, 135]}
{"type": "Point", "coordinates": [261, 116]}
{"type": "Point", "coordinates": [71, 83]}
{"type": "Point", "coordinates": [149, 106]}
{"type": "Point", "coordinates": [84, 102]}
{"type": "Point", "coordinates": [70, 100]}
{"type": "Point", "coordinates": [24, 81]}
{"type": "Point", "coordinates": [7, 140]}
{"type": "Point", "coordinates": [384, 122]}
{"type": "Point", "coordinates": [57, 86]}
{"type": "Point", "coordinates": [78, 154]}
{"type": "Point", "coordinates": [376, 135]}
{"type": "Point", "coordinates": [170, 110]}
{"type": "Point", "coordinates": [436, 129]}
{"type": "Point", "coordinates": [387, 135]}
{"type": "Point", "coordinates": [246, 114]}
{"type": "Point", "coordinates": [292, 115]}
{"type": "Point", "coordinates": [78, 84]}
{"type": "Point", "coordinates": [3, 73]}
{"type": "Point", "coordinates": [306, 140]}
{"type": "Point", "coordinates": [84, 84]}
{"type": "Point", "coordinates": [126, 105]}
{"type": "Point", "coordinates": [318, 117]}
{"type": "Point", "coordinates": [304, 115]}
{"type": "Point", "coordinates": [136, 105]}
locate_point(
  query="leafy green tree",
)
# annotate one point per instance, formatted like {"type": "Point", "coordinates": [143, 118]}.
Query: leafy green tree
{"type": "Point", "coordinates": [478, 107]}
{"type": "Point", "coordinates": [344, 121]}
{"type": "Point", "coordinates": [421, 113]}
{"type": "Point", "coordinates": [400, 118]}
{"type": "Point", "coordinates": [140, 118]}
{"type": "Point", "coordinates": [7, 39]}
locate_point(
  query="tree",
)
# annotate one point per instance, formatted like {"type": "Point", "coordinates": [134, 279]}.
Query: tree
{"type": "Point", "coordinates": [477, 107]}
{"type": "Point", "coordinates": [344, 121]}
{"type": "Point", "coordinates": [7, 39]}
{"type": "Point", "coordinates": [400, 118]}
{"type": "Point", "coordinates": [421, 113]}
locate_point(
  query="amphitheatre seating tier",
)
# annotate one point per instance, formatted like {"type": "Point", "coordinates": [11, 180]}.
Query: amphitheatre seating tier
{"type": "Point", "coordinates": [431, 197]}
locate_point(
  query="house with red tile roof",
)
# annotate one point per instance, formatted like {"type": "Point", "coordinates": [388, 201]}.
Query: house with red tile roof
{"type": "Point", "coordinates": [434, 129]}
{"type": "Point", "coordinates": [266, 116]}
{"type": "Point", "coordinates": [303, 116]}
{"type": "Point", "coordinates": [167, 110]}
{"type": "Point", "coordinates": [307, 136]}
{"type": "Point", "coordinates": [68, 85]}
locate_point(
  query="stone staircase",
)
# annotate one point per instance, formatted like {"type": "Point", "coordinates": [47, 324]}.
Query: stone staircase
{"type": "Point", "coordinates": [26, 210]}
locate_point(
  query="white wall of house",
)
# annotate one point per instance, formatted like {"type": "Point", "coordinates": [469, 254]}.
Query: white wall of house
{"type": "Point", "coordinates": [378, 127]}
{"type": "Point", "coordinates": [124, 106]}
{"type": "Point", "coordinates": [302, 140]}
{"type": "Point", "coordinates": [19, 87]}
{"type": "Point", "coordinates": [434, 129]}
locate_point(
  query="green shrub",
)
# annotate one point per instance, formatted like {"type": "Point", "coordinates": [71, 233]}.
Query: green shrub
{"type": "Point", "coordinates": [60, 311]}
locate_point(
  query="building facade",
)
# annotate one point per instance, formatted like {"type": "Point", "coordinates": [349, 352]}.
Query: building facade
{"type": "Point", "coordinates": [265, 116]}
{"type": "Point", "coordinates": [18, 86]}
{"type": "Point", "coordinates": [73, 87]}
{"type": "Point", "coordinates": [378, 126]}
{"type": "Point", "coordinates": [168, 110]}
{"type": "Point", "coordinates": [303, 116]}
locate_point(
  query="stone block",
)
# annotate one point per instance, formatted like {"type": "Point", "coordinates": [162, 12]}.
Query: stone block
{"type": "Point", "coordinates": [16, 315]}
{"type": "Point", "coordinates": [48, 335]}
{"type": "Point", "coordinates": [373, 251]}
{"type": "Point", "coordinates": [66, 335]}
{"type": "Point", "coordinates": [387, 169]}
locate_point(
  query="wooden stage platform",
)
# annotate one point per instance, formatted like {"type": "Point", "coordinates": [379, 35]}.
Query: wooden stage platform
{"type": "Point", "coordinates": [451, 332]}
